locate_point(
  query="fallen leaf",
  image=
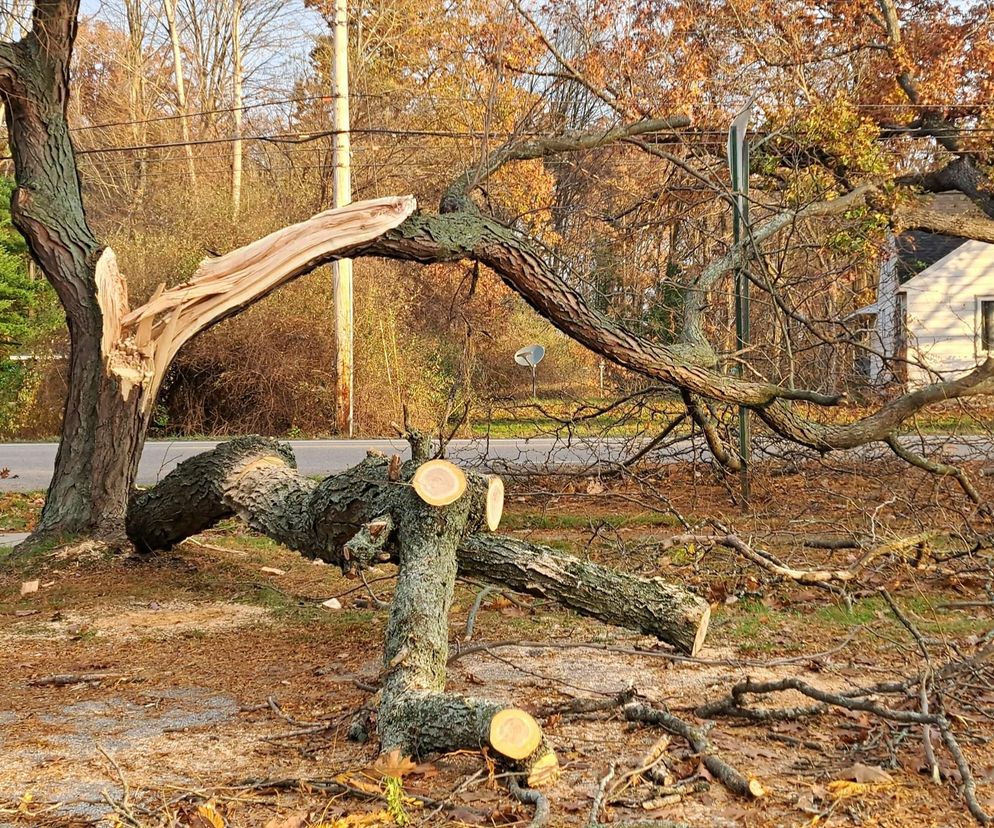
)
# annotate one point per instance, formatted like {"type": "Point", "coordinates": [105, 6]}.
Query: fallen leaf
{"type": "Point", "coordinates": [29, 587]}
{"type": "Point", "coordinates": [206, 817]}
{"type": "Point", "coordinates": [465, 816]}
{"type": "Point", "coordinates": [393, 764]}
{"type": "Point", "coordinates": [297, 819]}
{"type": "Point", "coordinates": [806, 802]}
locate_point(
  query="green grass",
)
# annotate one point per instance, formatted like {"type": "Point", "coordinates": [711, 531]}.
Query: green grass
{"type": "Point", "coordinates": [19, 511]}
{"type": "Point", "coordinates": [556, 522]}
{"type": "Point", "coordinates": [755, 629]}
{"type": "Point", "coordinates": [921, 610]}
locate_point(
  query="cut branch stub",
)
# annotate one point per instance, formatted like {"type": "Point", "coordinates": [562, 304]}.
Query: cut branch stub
{"type": "Point", "coordinates": [514, 733]}
{"type": "Point", "coordinates": [495, 502]}
{"type": "Point", "coordinates": [439, 482]}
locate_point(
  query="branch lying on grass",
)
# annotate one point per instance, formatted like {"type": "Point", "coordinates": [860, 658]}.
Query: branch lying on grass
{"type": "Point", "coordinates": [68, 679]}
{"type": "Point", "coordinates": [530, 796]}
{"type": "Point", "coordinates": [729, 777]}
{"type": "Point", "coordinates": [823, 578]}
{"type": "Point", "coordinates": [596, 808]}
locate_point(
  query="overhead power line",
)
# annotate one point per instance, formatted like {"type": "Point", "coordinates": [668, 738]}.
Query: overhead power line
{"type": "Point", "coordinates": [452, 98]}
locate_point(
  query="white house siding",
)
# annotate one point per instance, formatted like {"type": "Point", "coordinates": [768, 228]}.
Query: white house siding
{"type": "Point", "coordinates": [943, 312]}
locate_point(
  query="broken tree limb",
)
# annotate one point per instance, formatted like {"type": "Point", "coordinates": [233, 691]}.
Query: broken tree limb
{"type": "Point", "coordinates": [254, 478]}
{"type": "Point", "coordinates": [825, 578]}
{"type": "Point", "coordinates": [650, 605]}
{"type": "Point", "coordinates": [139, 345]}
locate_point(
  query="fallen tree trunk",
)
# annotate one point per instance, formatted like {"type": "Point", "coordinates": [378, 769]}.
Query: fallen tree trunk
{"type": "Point", "coordinates": [416, 715]}
{"type": "Point", "coordinates": [336, 520]}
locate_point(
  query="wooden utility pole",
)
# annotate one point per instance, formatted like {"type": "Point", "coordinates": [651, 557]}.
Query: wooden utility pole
{"type": "Point", "coordinates": [342, 195]}
{"type": "Point", "coordinates": [738, 165]}
{"type": "Point", "coordinates": [236, 160]}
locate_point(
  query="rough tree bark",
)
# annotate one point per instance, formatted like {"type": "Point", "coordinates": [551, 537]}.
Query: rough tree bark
{"type": "Point", "coordinates": [255, 479]}
{"type": "Point", "coordinates": [95, 465]}
{"type": "Point", "coordinates": [416, 715]}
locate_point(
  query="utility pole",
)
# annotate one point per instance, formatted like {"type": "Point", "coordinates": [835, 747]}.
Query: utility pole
{"type": "Point", "coordinates": [236, 160]}
{"type": "Point", "coordinates": [738, 165]}
{"type": "Point", "coordinates": [341, 151]}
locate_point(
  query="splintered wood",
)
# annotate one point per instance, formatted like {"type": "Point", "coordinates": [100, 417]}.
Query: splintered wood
{"type": "Point", "coordinates": [139, 346]}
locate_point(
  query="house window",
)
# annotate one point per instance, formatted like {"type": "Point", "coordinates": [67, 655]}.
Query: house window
{"type": "Point", "coordinates": [987, 324]}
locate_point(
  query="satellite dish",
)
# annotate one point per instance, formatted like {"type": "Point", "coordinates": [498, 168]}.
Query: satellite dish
{"type": "Point", "coordinates": [529, 356]}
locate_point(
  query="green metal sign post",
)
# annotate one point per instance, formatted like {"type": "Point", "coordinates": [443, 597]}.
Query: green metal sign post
{"type": "Point", "coordinates": [738, 165]}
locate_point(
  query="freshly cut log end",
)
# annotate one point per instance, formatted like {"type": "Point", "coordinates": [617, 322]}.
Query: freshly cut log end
{"type": "Point", "coordinates": [439, 482]}
{"type": "Point", "coordinates": [495, 502]}
{"type": "Point", "coordinates": [702, 631]}
{"type": "Point", "coordinates": [545, 771]}
{"type": "Point", "coordinates": [514, 733]}
{"type": "Point", "coordinates": [756, 788]}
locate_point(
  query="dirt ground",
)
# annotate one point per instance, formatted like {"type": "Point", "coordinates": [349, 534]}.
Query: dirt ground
{"type": "Point", "coordinates": [218, 681]}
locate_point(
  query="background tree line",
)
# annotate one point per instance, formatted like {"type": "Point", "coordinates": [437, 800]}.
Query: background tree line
{"type": "Point", "coordinates": [843, 98]}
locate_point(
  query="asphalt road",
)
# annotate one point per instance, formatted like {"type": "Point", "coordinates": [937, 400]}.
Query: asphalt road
{"type": "Point", "coordinates": [30, 465]}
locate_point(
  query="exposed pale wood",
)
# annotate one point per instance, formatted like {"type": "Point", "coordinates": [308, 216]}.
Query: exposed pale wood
{"type": "Point", "coordinates": [544, 771]}
{"type": "Point", "coordinates": [495, 502]}
{"type": "Point", "coordinates": [439, 482]}
{"type": "Point", "coordinates": [514, 733]}
{"type": "Point", "coordinates": [702, 630]}
{"type": "Point", "coordinates": [226, 284]}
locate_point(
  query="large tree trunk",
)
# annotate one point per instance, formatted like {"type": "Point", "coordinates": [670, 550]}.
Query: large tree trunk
{"type": "Point", "coordinates": [254, 478]}
{"type": "Point", "coordinates": [102, 437]}
{"type": "Point", "coordinates": [102, 431]}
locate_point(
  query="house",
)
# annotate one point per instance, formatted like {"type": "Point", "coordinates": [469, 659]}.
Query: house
{"type": "Point", "coordinates": [934, 314]}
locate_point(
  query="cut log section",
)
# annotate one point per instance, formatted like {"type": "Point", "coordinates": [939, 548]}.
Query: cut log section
{"type": "Point", "coordinates": [495, 502]}
{"type": "Point", "coordinates": [514, 733]}
{"type": "Point", "coordinates": [439, 482]}
{"type": "Point", "coordinates": [320, 518]}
